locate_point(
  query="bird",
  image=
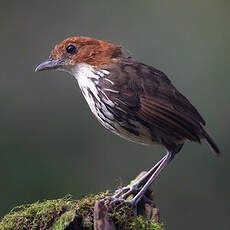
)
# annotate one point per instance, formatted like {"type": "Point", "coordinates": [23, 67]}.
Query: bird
{"type": "Point", "coordinates": [133, 100]}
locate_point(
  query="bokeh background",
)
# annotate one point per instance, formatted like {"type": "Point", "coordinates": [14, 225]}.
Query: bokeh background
{"type": "Point", "coordinates": [50, 143]}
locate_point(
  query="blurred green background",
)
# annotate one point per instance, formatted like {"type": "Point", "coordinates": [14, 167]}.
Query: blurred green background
{"type": "Point", "coordinates": [50, 143]}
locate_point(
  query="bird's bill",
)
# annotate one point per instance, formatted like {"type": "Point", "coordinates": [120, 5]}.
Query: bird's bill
{"type": "Point", "coordinates": [49, 64]}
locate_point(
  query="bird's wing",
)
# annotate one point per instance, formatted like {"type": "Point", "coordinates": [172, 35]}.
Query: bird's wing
{"type": "Point", "coordinates": [151, 96]}
{"type": "Point", "coordinates": [167, 118]}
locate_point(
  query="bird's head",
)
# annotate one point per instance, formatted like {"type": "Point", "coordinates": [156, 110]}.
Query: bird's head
{"type": "Point", "coordinates": [80, 50]}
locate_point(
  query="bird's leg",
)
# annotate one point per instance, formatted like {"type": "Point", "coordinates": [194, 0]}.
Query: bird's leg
{"type": "Point", "coordinates": [134, 187]}
{"type": "Point", "coordinates": [144, 181]}
{"type": "Point", "coordinates": [163, 163]}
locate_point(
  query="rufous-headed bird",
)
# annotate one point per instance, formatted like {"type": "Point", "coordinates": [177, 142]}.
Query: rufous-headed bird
{"type": "Point", "coordinates": [133, 100]}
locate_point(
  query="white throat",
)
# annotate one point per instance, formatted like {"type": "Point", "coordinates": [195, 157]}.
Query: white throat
{"type": "Point", "coordinates": [81, 70]}
{"type": "Point", "coordinates": [88, 78]}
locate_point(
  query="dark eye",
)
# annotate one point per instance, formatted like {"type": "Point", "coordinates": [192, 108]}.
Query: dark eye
{"type": "Point", "coordinates": [71, 49]}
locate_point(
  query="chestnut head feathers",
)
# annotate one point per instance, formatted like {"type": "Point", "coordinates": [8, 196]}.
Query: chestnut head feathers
{"type": "Point", "coordinates": [76, 50]}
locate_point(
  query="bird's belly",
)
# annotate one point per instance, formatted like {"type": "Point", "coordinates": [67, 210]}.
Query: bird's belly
{"type": "Point", "coordinates": [103, 109]}
{"type": "Point", "coordinates": [126, 128]}
{"type": "Point", "coordinates": [139, 134]}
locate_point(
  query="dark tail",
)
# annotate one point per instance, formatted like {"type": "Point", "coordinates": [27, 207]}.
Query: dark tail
{"type": "Point", "coordinates": [211, 142]}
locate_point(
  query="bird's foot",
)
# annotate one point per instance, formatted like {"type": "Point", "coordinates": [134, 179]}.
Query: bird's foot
{"type": "Point", "coordinates": [114, 200]}
{"type": "Point", "coordinates": [123, 195]}
{"type": "Point", "coordinates": [127, 191]}
{"type": "Point", "coordinates": [128, 194]}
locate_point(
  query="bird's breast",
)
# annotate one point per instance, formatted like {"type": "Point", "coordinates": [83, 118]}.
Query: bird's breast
{"type": "Point", "coordinates": [88, 79]}
{"type": "Point", "coordinates": [106, 110]}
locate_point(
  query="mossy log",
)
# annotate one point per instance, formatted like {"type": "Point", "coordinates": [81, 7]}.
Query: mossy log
{"type": "Point", "coordinates": [91, 212]}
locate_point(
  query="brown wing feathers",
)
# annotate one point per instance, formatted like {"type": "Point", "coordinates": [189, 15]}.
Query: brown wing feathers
{"type": "Point", "coordinates": [184, 106]}
{"type": "Point", "coordinates": [168, 119]}
{"type": "Point", "coordinates": [173, 122]}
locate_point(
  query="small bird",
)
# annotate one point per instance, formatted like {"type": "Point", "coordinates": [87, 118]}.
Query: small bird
{"type": "Point", "coordinates": [133, 100]}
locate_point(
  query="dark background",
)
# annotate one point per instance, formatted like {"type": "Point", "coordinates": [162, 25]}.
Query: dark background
{"type": "Point", "coordinates": [50, 143]}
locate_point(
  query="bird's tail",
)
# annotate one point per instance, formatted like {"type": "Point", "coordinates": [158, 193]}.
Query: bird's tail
{"type": "Point", "coordinates": [211, 142]}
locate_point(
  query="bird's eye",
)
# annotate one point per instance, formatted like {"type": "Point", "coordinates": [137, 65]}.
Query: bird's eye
{"type": "Point", "coordinates": [71, 49]}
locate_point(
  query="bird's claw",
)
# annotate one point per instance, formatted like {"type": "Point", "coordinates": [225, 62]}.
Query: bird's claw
{"type": "Point", "coordinates": [126, 191]}
{"type": "Point", "coordinates": [122, 194]}
{"type": "Point", "coordinates": [114, 200]}
{"type": "Point", "coordinates": [120, 191]}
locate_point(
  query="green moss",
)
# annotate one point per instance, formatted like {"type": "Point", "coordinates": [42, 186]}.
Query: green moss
{"type": "Point", "coordinates": [39, 215]}
{"type": "Point", "coordinates": [86, 204]}
{"type": "Point", "coordinates": [85, 208]}
{"type": "Point", "coordinates": [51, 214]}
{"type": "Point", "coordinates": [61, 213]}
{"type": "Point", "coordinates": [143, 224]}
{"type": "Point", "coordinates": [123, 217]}
{"type": "Point", "coordinates": [64, 220]}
